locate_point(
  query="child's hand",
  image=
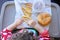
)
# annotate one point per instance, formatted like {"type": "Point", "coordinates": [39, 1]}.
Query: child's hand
{"type": "Point", "coordinates": [16, 23]}
{"type": "Point", "coordinates": [31, 23]}
{"type": "Point", "coordinates": [19, 21]}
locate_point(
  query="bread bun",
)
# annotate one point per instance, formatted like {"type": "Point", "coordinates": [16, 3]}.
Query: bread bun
{"type": "Point", "coordinates": [44, 19]}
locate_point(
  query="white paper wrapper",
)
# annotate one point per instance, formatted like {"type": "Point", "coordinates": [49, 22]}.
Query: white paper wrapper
{"type": "Point", "coordinates": [37, 6]}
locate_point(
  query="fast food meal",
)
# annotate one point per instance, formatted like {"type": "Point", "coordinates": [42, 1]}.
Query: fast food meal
{"type": "Point", "coordinates": [27, 10]}
{"type": "Point", "coordinates": [28, 5]}
{"type": "Point", "coordinates": [44, 19]}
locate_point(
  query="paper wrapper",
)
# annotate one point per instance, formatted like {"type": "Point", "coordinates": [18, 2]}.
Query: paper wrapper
{"type": "Point", "coordinates": [31, 11]}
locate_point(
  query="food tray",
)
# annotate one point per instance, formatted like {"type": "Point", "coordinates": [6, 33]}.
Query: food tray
{"type": "Point", "coordinates": [54, 28]}
{"type": "Point", "coordinates": [8, 15]}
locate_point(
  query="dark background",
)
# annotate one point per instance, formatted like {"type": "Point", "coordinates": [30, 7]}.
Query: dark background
{"type": "Point", "coordinates": [56, 1]}
{"type": "Point", "coordinates": [2, 1]}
